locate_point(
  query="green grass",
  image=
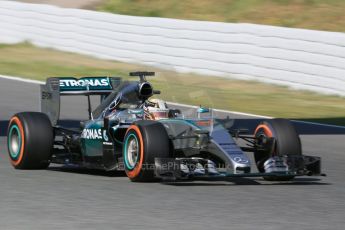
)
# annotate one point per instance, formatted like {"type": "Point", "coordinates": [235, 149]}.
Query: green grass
{"type": "Point", "coordinates": [312, 14]}
{"type": "Point", "coordinates": [244, 96]}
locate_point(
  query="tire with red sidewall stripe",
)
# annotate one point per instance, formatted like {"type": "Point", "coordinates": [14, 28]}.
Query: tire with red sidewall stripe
{"type": "Point", "coordinates": [287, 142]}
{"type": "Point", "coordinates": [30, 140]}
{"type": "Point", "coordinates": [144, 141]}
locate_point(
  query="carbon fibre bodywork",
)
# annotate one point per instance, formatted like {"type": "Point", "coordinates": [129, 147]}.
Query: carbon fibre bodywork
{"type": "Point", "coordinates": [198, 146]}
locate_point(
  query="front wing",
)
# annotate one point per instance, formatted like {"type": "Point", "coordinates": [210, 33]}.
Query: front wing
{"type": "Point", "coordinates": [194, 168]}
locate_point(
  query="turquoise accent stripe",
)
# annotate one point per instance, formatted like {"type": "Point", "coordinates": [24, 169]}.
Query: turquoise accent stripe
{"type": "Point", "coordinates": [181, 121]}
{"type": "Point", "coordinates": [125, 155]}
{"type": "Point", "coordinates": [14, 155]}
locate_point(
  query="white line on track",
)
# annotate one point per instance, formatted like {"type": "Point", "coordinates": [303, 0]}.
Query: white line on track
{"type": "Point", "coordinates": [314, 123]}
{"type": "Point", "coordinates": [222, 111]}
{"type": "Point", "coordinates": [22, 79]}
{"type": "Point", "coordinates": [184, 105]}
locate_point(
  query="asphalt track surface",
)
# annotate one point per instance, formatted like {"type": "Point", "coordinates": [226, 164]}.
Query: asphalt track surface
{"type": "Point", "coordinates": [60, 198]}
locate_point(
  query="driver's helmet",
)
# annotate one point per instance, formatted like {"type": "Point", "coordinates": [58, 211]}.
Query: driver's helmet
{"type": "Point", "coordinates": [155, 109]}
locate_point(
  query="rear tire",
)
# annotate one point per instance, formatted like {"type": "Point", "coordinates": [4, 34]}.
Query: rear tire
{"type": "Point", "coordinates": [287, 143]}
{"type": "Point", "coordinates": [30, 140]}
{"type": "Point", "coordinates": [144, 141]}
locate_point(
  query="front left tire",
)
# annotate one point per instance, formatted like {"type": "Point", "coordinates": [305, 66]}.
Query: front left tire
{"type": "Point", "coordinates": [144, 141]}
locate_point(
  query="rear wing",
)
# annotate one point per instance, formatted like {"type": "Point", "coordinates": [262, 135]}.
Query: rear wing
{"type": "Point", "coordinates": [60, 86]}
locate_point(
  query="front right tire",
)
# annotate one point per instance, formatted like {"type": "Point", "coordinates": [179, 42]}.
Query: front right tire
{"type": "Point", "coordinates": [287, 142]}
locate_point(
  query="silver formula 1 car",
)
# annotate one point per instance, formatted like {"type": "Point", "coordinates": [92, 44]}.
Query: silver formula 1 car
{"type": "Point", "coordinates": [131, 131]}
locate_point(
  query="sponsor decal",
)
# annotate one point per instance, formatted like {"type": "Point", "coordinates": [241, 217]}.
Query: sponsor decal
{"type": "Point", "coordinates": [93, 134]}
{"type": "Point", "coordinates": [203, 123]}
{"type": "Point", "coordinates": [88, 83]}
{"type": "Point", "coordinates": [108, 143]}
{"type": "Point", "coordinates": [105, 137]}
{"type": "Point", "coordinates": [46, 95]}
{"type": "Point", "coordinates": [241, 160]}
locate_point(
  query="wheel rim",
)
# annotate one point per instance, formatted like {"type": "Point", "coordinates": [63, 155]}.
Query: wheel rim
{"type": "Point", "coordinates": [261, 137]}
{"type": "Point", "coordinates": [131, 151]}
{"type": "Point", "coordinates": [261, 133]}
{"type": "Point", "coordinates": [14, 141]}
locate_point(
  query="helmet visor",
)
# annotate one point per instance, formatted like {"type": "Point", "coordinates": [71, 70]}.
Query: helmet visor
{"type": "Point", "coordinates": [159, 114]}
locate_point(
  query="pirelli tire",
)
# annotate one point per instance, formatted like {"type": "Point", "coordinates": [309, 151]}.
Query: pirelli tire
{"type": "Point", "coordinates": [30, 140]}
{"type": "Point", "coordinates": [287, 142]}
{"type": "Point", "coordinates": [144, 141]}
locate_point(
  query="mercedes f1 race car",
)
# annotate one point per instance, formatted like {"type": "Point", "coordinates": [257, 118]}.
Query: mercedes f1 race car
{"type": "Point", "coordinates": [132, 130]}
